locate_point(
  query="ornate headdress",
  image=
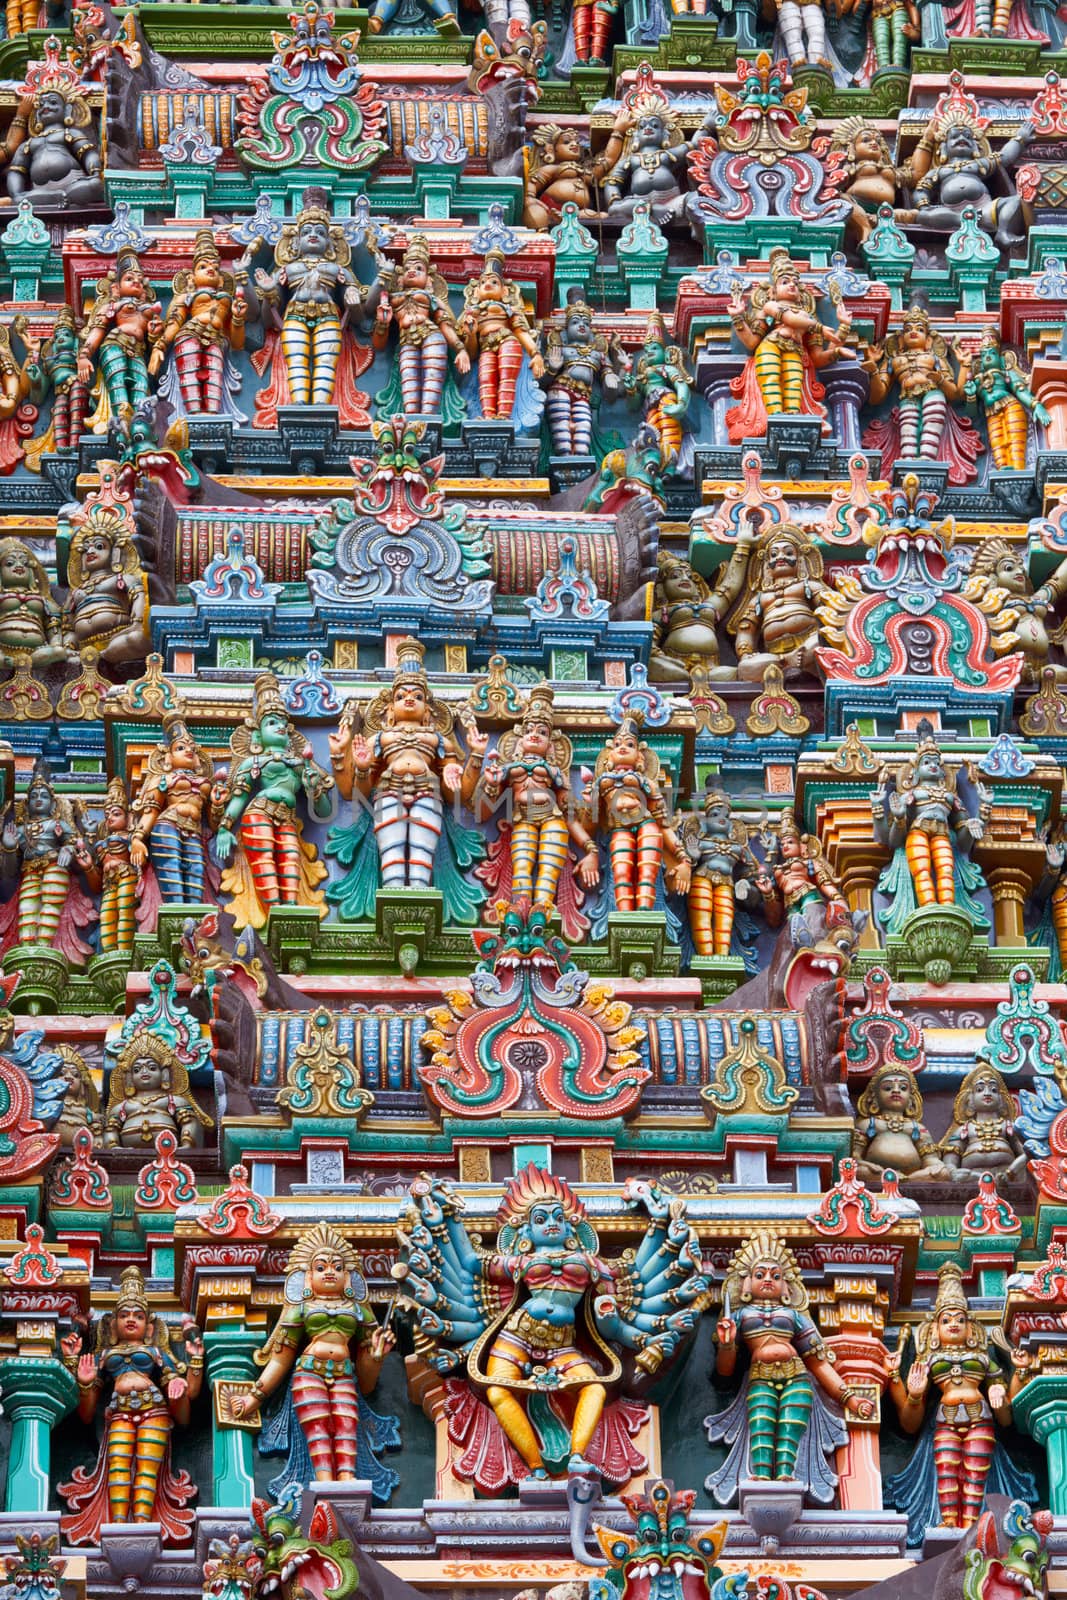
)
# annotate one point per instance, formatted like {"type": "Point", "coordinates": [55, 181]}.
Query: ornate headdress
{"type": "Point", "coordinates": [126, 257]}
{"type": "Point", "coordinates": [74, 1059]}
{"type": "Point", "coordinates": [410, 655]}
{"type": "Point", "coordinates": [867, 1104]}
{"type": "Point", "coordinates": [267, 699]}
{"type": "Point", "coordinates": [540, 706]}
{"type": "Point", "coordinates": [418, 250]}
{"type": "Point", "coordinates": [41, 777]}
{"type": "Point", "coordinates": [40, 577]}
{"type": "Point", "coordinates": [764, 1247]}
{"type": "Point", "coordinates": [533, 1187]}
{"type": "Point", "coordinates": [108, 522]}
{"type": "Point", "coordinates": [204, 247]}
{"type": "Point", "coordinates": [175, 727]}
{"type": "Point", "coordinates": [950, 1297]}
{"type": "Point", "coordinates": [132, 1290]}
{"type": "Point", "coordinates": [989, 555]}
{"type": "Point", "coordinates": [53, 76]}
{"type": "Point", "coordinates": [149, 1044]}
{"type": "Point", "coordinates": [494, 261]}
{"type": "Point", "coordinates": [656, 328]}
{"type": "Point", "coordinates": [116, 795]}
{"type": "Point", "coordinates": [925, 745]}
{"type": "Point", "coordinates": [961, 1111]}
{"type": "Point", "coordinates": [314, 1241]}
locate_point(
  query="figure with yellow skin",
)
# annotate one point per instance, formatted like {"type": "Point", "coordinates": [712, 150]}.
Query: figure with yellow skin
{"type": "Point", "coordinates": [923, 811]}
{"type": "Point", "coordinates": [788, 344]}
{"type": "Point", "coordinates": [531, 764]}
{"type": "Point", "coordinates": [540, 1317]}
{"type": "Point", "coordinates": [109, 868]}
{"type": "Point", "coordinates": [151, 1390]}
{"type": "Point", "coordinates": [993, 378]}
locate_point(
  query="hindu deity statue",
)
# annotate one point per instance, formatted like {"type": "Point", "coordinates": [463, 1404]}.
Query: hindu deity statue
{"type": "Point", "coordinates": [661, 381]}
{"type": "Point", "coordinates": [958, 1456]}
{"type": "Point", "coordinates": [627, 803]}
{"type": "Point", "coordinates": [889, 1135]}
{"type": "Point", "coordinates": [686, 613]}
{"type": "Point", "coordinates": [107, 598]}
{"type": "Point", "coordinates": [789, 345]}
{"type": "Point", "coordinates": [531, 764]}
{"type": "Point", "coordinates": [982, 1137]}
{"type": "Point", "coordinates": [723, 868]}
{"type": "Point", "coordinates": [497, 333]}
{"type": "Point", "coordinates": [577, 359]}
{"type": "Point", "coordinates": [891, 26]}
{"type": "Point", "coordinates": [797, 878]}
{"type": "Point", "coordinates": [923, 812]}
{"type": "Point", "coordinates": [46, 838]}
{"type": "Point", "coordinates": [954, 166]}
{"type": "Point", "coordinates": [151, 1389]}
{"type": "Point", "coordinates": [915, 361]}
{"type": "Point", "coordinates": [994, 379]}
{"type": "Point", "coordinates": [205, 321]}
{"type": "Point", "coordinates": [110, 871]}
{"type": "Point", "coordinates": [1003, 19]}
{"type": "Point", "coordinates": [57, 165]}
{"type": "Point", "coordinates": [559, 169]}
{"type": "Point", "coordinates": [312, 278]}
{"type": "Point", "coordinates": [30, 621]}
{"type": "Point", "coordinates": [784, 1423]}
{"type": "Point", "coordinates": [124, 323]}
{"type": "Point", "coordinates": [999, 579]}
{"type": "Point", "coordinates": [592, 22]}
{"type": "Point", "coordinates": [53, 366]}
{"type": "Point", "coordinates": [260, 827]}
{"type": "Point", "coordinates": [802, 24]}
{"type": "Point", "coordinates": [405, 758]}
{"type": "Point", "coordinates": [326, 1347]}
{"type": "Point", "coordinates": [775, 622]}
{"type": "Point", "coordinates": [870, 178]}
{"type": "Point", "coordinates": [81, 1098]}
{"type": "Point", "coordinates": [551, 1323]}
{"type": "Point", "coordinates": [149, 1094]}
{"type": "Point", "coordinates": [655, 153]}
{"type": "Point", "coordinates": [439, 12]}
{"type": "Point", "coordinates": [177, 803]}
{"type": "Point", "coordinates": [416, 299]}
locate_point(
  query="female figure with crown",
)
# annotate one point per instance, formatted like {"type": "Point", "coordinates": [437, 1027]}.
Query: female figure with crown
{"type": "Point", "coordinates": [417, 301]}
{"type": "Point", "coordinates": [124, 322]}
{"type": "Point", "coordinates": [329, 1347]}
{"type": "Point", "coordinates": [205, 321]}
{"type": "Point", "coordinates": [271, 765]}
{"type": "Point", "coordinates": [177, 800]}
{"type": "Point", "coordinates": [626, 798]}
{"type": "Point", "coordinates": [958, 1458]}
{"type": "Point", "coordinates": [536, 1322]}
{"type": "Point", "coordinates": [788, 344]}
{"type": "Point", "coordinates": [405, 759]}
{"type": "Point", "coordinates": [151, 1390]}
{"type": "Point", "coordinates": [924, 813]}
{"type": "Point", "coordinates": [782, 1425]}
{"type": "Point", "coordinates": [532, 766]}
{"type": "Point", "coordinates": [498, 335]}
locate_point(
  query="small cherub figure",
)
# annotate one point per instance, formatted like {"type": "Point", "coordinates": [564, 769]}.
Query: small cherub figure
{"type": "Point", "coordinates": [1000, 582]}
{"type": "Point", "coordinates": [982, 1137]}
{"type": "Point", "coordinates": [149, 1095]}
{"type": "Point", "coordinates": [686, 613]}
{"type": "Point", "coordinates": [888, 1133]}
{"type": "Point", "coordinates": [81, 1102]}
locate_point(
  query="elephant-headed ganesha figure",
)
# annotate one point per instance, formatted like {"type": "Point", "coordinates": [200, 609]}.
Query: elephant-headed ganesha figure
{"type": "Point", "coordinates": [535, 1335]}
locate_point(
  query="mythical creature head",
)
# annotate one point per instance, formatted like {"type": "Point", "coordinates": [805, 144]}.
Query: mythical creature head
{"type": "Point", "coordinates": [1013, 1562]}
{"type": "Point", "coordinates": [294, 1567]}
{"type": "Point", "coordinates": [662, 1559]}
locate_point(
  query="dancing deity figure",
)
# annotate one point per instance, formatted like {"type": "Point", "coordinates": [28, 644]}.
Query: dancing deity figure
{"type": "Point", "coordinates": [410, 760]}
{"type": "Point", "coordinates": [924, 813]}
{"type": "Point", "coordinates": [916, 361]}
{"type": "Point", "coordinates": [205, 321]}
{"type": "Point", "coordinates": [723, 869]}
{"type": "Point", "coordinates": [888, 1134]}
{"type": "Point", "coordinates": [498, 334]}
{"type": "Point", "coordinates": [628, 804]}
{"type": "Point", "coordinates": [312, 274]}
{"type": "Point", "coordinates": [993, 378]}
{"type": "Point", "coordinates": [107, 599]}
{"type": "Point", "coordinates": [149, 1095]}
{"type": "Point", "coordinates": [686, 613]}
{"type": "Point", "coordinates": [417, 301]}
{"type": "Point", "coordinates": [534, 1323]}
{"type": "Point", "coordinates": [782, 1425]}
{"type": "Point", "coordinates": [953, 167]}
{"type": "Point", "coordinates": [110, 870]}
{"type": "Point", "coordinates": [176, 802]}
{"type": "Point", "coordinates": [151, 1390]}
{"type": "Point", "coordinates": [982, 1137]}
{"type": "Point", "coordinates": [53, 366]}
{"type": "Point", "coordinates": [47, 840]}
{"type": "Point", "coordinates": [271, 765]}
{"type": "Point", "coordinates": [775, 623]}
{"type": "Point", "coordinates": [664, 385]}
{"type": "Point", "coordinates": [788, 343]}
{"type": "Point", "coordinates": [327, 1346]}
{"type": "Point", "coordinates": [57, 165]}
{"type": "Point", "coordinates": [30, 621]}
{"type": "Point", "coordinates": [532, 765]}
{"type": "Point", "coordinates": [576, 360]}
{"type": "Point", "coordinates": [958, 1456]}
{"type": "Point", "coordinates": [124, 322]}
